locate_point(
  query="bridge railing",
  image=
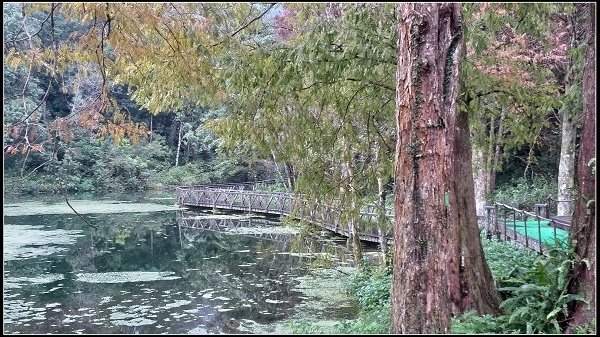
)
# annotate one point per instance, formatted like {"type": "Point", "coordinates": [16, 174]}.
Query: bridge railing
{"type": "Point", "coordinates": [244, 186]}
{"type": "Point", "coordinates": [236, 198]}
{"type": "Point", "coordinates": [526, 229]}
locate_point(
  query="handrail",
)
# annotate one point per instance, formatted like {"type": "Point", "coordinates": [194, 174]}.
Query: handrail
{"type": "Point", "coordinates": [300, 197]}
{"type": "Point", "coordinates": [523, 211]}
{"type": "Point", "coordinates": [327, 215]}
{"type": "Point", "coordinates": [324, 215]}
{"type": "Point", "coordinates": [495, 227]}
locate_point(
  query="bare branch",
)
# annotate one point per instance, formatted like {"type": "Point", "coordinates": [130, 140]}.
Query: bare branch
{"type": "Point", "coordinates": [251, 21]}
{"type": "Point", "coordinates": [247, 24]}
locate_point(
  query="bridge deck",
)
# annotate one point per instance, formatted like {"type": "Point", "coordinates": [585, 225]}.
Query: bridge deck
{"type": "Point", "coordinates": [245, 198]}
{"type": "Point", "coordinates": [562, 222]}
{"type": "Point", "coordinates": [239, 199]}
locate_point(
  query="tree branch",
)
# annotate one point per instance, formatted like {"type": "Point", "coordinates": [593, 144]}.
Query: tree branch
{"type": "Point", "coordinates": [247, 24]}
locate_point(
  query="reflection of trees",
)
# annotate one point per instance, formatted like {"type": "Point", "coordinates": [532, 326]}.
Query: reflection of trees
{"type": "Point", "coordinates": [249, 271]}
{"type": "Point", "coordinates": [145, 242]}
{"type": "Point", "coordinates": [263, 271]}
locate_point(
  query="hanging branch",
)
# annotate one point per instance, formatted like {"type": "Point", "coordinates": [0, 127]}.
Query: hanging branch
{"type": "Point", "coordinates": [247, 24]}
{"type": "Point", "coordinates": [84, 218]}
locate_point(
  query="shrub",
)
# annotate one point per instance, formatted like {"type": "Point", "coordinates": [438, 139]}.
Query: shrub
{"type": "Point", "coordinates": [371, 287]}
{"type": "Point", "coordinates": [188, 174]}
{"type": "Point", "coordinates": [534, 289]}
{"type": "Point", "coordinates": [523, 194]}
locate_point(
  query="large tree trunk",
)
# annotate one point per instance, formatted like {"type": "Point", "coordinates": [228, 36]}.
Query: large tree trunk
{"type": "Point", "coordinates": [583, 228]}
{"type": "Point", "coordinates": [439, 268]}
{"type": "Point", "coordinates": [566, 165]}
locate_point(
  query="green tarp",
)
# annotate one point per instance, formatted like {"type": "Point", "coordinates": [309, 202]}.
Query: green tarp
{"type": "Point", "coordinates": [549, 234]}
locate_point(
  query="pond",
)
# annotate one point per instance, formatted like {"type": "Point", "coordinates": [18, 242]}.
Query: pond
{"type": "Point", "coordinates": [150, 267]}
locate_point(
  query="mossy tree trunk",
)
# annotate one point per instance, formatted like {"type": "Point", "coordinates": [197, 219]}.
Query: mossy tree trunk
{"type": "Point", "coordinates": [583, 228]}
{"type": "Point", "coordinates": [439, 267]}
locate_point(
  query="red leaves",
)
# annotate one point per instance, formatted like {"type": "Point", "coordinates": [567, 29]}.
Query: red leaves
{"type": "Point", "coordinates": [15, 132]}
{"type": "Point", "coordinates": [284, 23]}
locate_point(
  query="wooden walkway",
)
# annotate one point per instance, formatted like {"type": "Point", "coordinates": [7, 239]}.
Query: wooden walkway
{"type": "Point", "coordinates": [245, 198]}
{"type": "Point", "coordinates": [510, 224]}
{"type": "Point", "coordinates": [500, 220]}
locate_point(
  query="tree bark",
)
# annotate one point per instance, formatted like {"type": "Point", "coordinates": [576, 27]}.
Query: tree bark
{"type": "Point", "coordinates": [583, 228]}
{"type": "Point", "coordinates": [381, 217]}
{"type": "Point", "coordinates": [289, 170]}
{"type": "Point", "coordinates": [569, 119]}
{"type": "Point", "coordinates": [566, 166]}
{"type": "Point", "coordinates": [382, 221]}
{"type": "Point", "coordinates": [348, 188]}
{"type": "Point", "coordinates": [178, 145]}
{"type": "Point", "coordinates": [480, 181]}
{"type": "Point", "coordinates": [497, 154]}
{"type": "Point", "coordinates": [487, 164]}
{"type": "Point", "coordinates": [439, 268]}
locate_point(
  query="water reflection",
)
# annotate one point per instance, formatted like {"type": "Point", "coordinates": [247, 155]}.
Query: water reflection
{"type": "Point", "coordinates": [159, 272]}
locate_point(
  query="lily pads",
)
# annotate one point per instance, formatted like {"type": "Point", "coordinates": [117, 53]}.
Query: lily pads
{"type": "Point", "coordinates": [127, 276]}
{"type": "Point", "coordinates": [84, 207]}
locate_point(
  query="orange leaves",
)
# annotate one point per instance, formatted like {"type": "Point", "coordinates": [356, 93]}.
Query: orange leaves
{"type": "Point", "coordinates": [23, 149]}
{"type": "Point", "coordinates": [37, 148]}
{"type": "Point", "coordinates": [15, 132]}
{"type": "Point", "coordinates": [11, 149]}
{"type": "Point", "coordinates": [128, 129]}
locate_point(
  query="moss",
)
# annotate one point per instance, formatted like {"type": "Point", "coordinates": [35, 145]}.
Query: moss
{"type": "Point", "coordinates": [449, 63]}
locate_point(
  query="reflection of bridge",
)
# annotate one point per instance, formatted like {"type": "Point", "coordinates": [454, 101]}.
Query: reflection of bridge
{"type": "Point", "coordinates": [232, 225]}
{"type": "Point", "coordinates": [263, 229]}
{"type": "Point", "coordinates": [503, 221]}
{"type": "Point", "coordinates": [244, 198]}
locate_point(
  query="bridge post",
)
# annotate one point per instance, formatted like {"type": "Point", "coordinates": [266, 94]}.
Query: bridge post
{"type": "Point", "coordinates": [250, 203]}
{"type": "Point", "coordinates": [488, 221]}
{"type": "Point", "coordinates": [496, 230]}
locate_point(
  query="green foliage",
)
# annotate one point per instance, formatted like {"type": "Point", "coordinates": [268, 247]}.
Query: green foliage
{"type": "Point", "coordinates": [470, 323]}
{"type": "Point", "coordinates": [99, 166]}
{"type": "Point", "coordinates": [589, 329]}
{"type": "Point", "coordinates": [534, 289]}
{"type": "Point", "coordinates": [371, 287]}
{"type": "Point", "coordinates": [321, 100]}
{"type": "Point", "coordinates": [369, 322]}
{"type": "Point", "coordinates": [523, 194]}
{"type": "Point", "coordinates": [188, 174]}
{"type": "Point", "coordinates": [509, 265]}
{"type": "Point", "coordinates": [539, 307]}
{"type": "Point", "coordinates": [272, 187]}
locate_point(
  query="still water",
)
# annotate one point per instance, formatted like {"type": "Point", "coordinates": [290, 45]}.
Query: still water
{"type": "Point", "coordinates": [151, 268]}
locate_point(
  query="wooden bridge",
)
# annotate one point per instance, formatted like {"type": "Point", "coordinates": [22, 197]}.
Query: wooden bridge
{"type": "Point", "coordinates": [243, 197]}
{"type": "Point", "coordinates": [510, 224]}
{"type": "Point", "coordinates": [503, 221]}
